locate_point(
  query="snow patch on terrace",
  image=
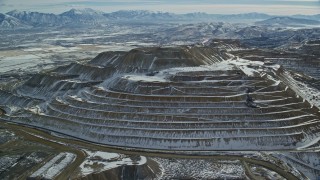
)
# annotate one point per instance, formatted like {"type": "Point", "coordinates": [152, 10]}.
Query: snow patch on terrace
{"type": "Point", "coordinates": [221, 66]}
{"type": "Point", "coordinates": [163, 75]}
{"type": "Point", "coordinates": [12, 109]}
{"type": "Point", "coordinates": [276, 81]}
{"type": "Point", "coordinates": [98, 161]}
{"type": "Point", "coordinates": [248, 67]}
{"type": "Point", "coordinates": [145, 78]}
{"type": "Point", "coordinates": [76, 98]}
{"type": "Point", "coordinates": [35, 110]}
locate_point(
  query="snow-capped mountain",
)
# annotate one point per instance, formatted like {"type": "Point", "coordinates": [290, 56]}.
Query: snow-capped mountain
{"type": "Point", "coordinates": [37, 19]}
{"type": "Point", "coordinates": [86, 15]}
{"type": "Point", "coordinates": [140, 15]}
{"type": "Point", "coordinates": [73, 16]}
{"type": "Point", "coordinates": [82, 12]}
{"type": "Point", "coordinates": [9, 22]}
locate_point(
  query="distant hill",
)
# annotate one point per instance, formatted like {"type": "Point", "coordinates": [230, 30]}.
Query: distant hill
{"type": "Point", "coordinates": [140, 15]}
{"type": "Point", "coordinates": [150, 15]}
{"type": "Point", "coordinates": [288, 21]}
{"type": "Point", "coordinates": [311, 17]}
{"type": "Point", "coordinates": [245, 17]}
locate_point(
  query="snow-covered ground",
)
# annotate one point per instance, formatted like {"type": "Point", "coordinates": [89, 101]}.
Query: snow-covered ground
{"type": "Point", "coordinates": [37, 57]}
{"type": "Point", "coordinates": [200, 169]}
{"type": "Point", "coordinates": [22, 62]}
{"type": "Point", "coordinates": [57, 49]}
{"type": "Point", "coordinates": [7, 162]}
{"type": "Point", "coordinates": [6, 135]}
{"type": "Point", "coordinates": [55, 166]}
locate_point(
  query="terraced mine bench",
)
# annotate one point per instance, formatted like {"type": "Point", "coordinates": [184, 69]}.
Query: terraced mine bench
{"type": "Point", "coordinates": [196, 99]}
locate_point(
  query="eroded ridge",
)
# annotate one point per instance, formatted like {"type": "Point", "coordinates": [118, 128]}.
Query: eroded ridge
{"type": "Point", "coordinates": [220, 103]}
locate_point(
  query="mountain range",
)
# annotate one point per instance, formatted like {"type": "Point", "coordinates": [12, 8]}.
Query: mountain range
{"type": "Point", "coordinates": [23, 19]}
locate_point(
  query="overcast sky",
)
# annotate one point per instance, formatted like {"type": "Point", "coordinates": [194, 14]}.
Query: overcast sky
{"type": "Point", "coordinates": [277, 7]}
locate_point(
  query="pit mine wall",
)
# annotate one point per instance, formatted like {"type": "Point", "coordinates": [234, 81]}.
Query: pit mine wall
{"type": "Point", "coordinates": [86, 134]}
{"type": "Point", "coordinates": [284, 76]}
{"type": "Point", "coordinates": [162, 144]}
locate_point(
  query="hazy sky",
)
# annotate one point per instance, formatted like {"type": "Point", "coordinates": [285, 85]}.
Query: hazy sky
{"type": "Point", "coordinates": [278, 7]}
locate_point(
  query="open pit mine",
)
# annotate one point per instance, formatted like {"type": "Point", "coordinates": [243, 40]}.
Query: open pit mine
{"type": "Point", "coordinates": [188, 100]}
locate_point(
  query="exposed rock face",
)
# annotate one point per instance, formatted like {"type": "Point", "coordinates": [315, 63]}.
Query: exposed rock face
{"type": "Point", "coordinates": [186, 98]}
{"type": "Point", "coordinates": [2, 112]}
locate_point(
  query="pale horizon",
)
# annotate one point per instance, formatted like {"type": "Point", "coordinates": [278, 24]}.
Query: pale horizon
{"type": "Point", "coordinates": [271, 7]}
